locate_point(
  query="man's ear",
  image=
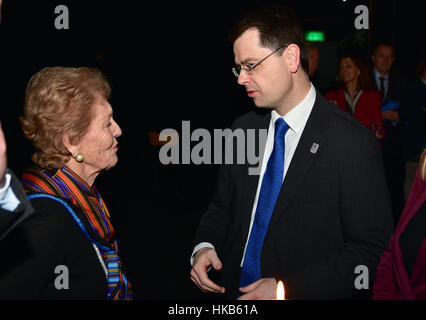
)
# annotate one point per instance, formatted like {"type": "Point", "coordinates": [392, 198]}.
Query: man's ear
{"type": "Point", "coordinates": [292, 57]}
{"type": "Point", "coordinates": [72, 148]}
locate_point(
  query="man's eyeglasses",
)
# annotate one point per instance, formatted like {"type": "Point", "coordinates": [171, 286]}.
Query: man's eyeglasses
{"type": "Point", "coordinates": [248, 69]}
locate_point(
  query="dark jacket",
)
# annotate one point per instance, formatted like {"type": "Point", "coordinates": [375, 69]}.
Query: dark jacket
{"type": "Point", "coordinates": [34, 249]}
{"type": "Point", "coordinates": [332, 214]}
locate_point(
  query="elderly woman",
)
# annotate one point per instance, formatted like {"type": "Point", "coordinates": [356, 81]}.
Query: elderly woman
{"type": "Point", "coordinates": [67, 249]}
{"type": "Point", "coordinates": [357, 95]}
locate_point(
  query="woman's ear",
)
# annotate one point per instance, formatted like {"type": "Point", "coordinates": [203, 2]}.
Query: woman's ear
{"type": "Point", "coordinates": [292, 57]}
{"type": "Point", "coordinates": [358, 72]}
{"type": "Point", "coordinates": [72, 148]}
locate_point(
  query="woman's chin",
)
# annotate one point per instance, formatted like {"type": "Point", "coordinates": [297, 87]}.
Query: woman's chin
{"type": "Point", "coordinates": [111, 165]}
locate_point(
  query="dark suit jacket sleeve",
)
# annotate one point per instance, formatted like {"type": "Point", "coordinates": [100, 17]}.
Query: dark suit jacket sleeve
{"type": "Point", "coordinates": [31, 252]}
{"type": "Point", "coordinates": [9, 220]}
{"type": "Point", "coordinates": [214, 224]}
{"type": "Point", "coordinates": [365, 221]}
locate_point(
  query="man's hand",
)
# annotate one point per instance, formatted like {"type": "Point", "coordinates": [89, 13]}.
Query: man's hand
{"type": "Point", "coordinates": [263, 289]}
{"type": "Point", "coordinates": [204, 258]}
{"type": "Point", "coordinates": [3, 158]}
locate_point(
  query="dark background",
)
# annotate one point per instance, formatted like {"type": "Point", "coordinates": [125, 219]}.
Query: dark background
{"type": "Point", "coordinates": [168, 61]}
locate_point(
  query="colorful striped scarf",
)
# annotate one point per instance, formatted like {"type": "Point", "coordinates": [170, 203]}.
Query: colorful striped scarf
{"type": "Point", "coordinates": [95, 222]}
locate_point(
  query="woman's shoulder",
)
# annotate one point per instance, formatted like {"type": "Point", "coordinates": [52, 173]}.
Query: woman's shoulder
{"type": "Point", "coordinates": [54, 213]}
{"type": "Point", "coordinates": [50, 211]}
{"type": "Point", "coordinates": [41, 237]}
{"type": "Point", "coordinates": [51, 223]}
{"type": "Point", "coordinates": [48, 203]}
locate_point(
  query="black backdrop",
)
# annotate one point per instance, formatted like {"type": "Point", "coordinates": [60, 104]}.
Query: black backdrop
{"type": "Point", "coordinates": [167, 61]}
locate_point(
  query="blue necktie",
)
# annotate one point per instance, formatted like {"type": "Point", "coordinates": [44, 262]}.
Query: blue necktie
{"type": "Point", "coordinates": [271, 185]}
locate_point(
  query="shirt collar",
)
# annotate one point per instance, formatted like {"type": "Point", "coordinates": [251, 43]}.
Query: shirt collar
{"type": "Point", "coordinates": [378, 75]}
{"type": "Point", "coordinates": [296, 118]}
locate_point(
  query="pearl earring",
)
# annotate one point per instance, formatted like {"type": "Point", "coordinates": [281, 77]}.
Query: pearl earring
{"type": "Point", "coordinates": [79, 158]}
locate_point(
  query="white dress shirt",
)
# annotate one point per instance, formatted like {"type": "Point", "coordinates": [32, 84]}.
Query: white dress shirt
{"type": "Point", "coordinates": [8, 200]}
{"type": "Point", "coordinates": [377, 76]}
{"type": "Point", "coordinates": [296, 119]}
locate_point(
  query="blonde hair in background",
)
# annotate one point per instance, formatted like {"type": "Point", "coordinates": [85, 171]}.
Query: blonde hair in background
{"type": "Point", "coordinates": [423, 165]}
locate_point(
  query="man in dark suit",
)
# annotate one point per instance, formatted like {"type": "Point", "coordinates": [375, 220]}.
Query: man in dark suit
{"type": "Point", "coordinates": [14, 205]}
{"type": "Point", "coordinates": [327, 215]}
{"type": "Point", "coordinates": [392, 87]}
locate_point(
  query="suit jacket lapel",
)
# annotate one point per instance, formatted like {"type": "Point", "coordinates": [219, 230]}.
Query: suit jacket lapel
{"type": "Point", "coordinates": [250, 182]}
{"type": "Point", "coordinates": [302, 160]}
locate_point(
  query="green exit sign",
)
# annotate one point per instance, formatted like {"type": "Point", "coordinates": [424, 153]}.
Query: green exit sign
{"type": "Point", "coordinates": [314, 36]}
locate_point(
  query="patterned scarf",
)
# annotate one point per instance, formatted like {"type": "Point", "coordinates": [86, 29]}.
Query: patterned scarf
{"type": "Point", "coordinates": [95, 223]}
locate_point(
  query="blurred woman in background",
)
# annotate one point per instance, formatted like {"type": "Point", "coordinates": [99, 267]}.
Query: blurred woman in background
{"type": "Point", "coordinates": [357, 95]}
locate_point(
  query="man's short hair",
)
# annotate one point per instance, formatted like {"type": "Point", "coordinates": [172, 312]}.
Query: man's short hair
{"type": "Point", "coordinates": [381, 43]}
{"type": "Point", "coordinates": [277, 26]}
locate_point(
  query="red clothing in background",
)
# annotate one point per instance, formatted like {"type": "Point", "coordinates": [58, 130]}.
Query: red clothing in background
{"type": "Point", "coordinates": [367, 111]}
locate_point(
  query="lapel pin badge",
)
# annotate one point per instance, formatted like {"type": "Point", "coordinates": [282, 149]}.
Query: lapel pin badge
{"type": "Point", "coordinates": [314, 148]}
